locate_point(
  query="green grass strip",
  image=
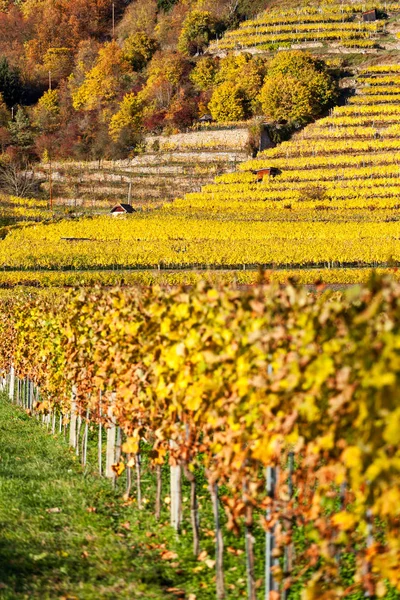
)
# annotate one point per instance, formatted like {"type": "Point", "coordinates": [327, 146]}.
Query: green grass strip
{"type": "Point", "coordinates": [65, 534]}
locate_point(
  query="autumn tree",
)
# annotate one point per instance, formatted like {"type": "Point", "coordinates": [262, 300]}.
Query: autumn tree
{"type": "Point", "coordinates": [63, 23]}
{"type": "Point", "coordinates": [170, 24]}
{"type": "Point", "coordinates": [243, 74]}
{"type": "Point", "coordinates": [5, 139]}
{"type": "Point", "coordinates": [198, 29]}
{"type": "Point", "coordinates": [14, 32]}
{"type": "Point", "coordinates": [46, 113]}
{"type": "Point", "coordinates": [4, 112]}
{"type": "Point", "coordinates": [165, 5]}
{"type": "Point", "coordinates": [227, 103]}
{"type": "Point", "coordinates": [139, 17]}
{"type": "Point", "coordinates": [138, 49]}
{"type": "Point", "coordinates": [59, 62]}
{"type": "Point", "coordinates": [165, 75]}
{"type": "Point", "coordinates": [251, 79]}
{"type": "Point", "coordinates": [128, 119]}
{"type": "Point", "coordinates": [5, 136]}
{"type": "Point", "coordinates": [105, 81]}
{"type": "Point", "coordinates": [298, 88]}
{"type": "Point", "coordinates": [204, 74]}
{"type": "Point", "coordinates": [182, 111]}
{"type": "Point", "coordinates": [86, 57]}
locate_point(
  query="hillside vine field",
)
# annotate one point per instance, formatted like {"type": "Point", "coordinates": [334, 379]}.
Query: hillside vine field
{"type": "Point", "coordinates": [334, 206]}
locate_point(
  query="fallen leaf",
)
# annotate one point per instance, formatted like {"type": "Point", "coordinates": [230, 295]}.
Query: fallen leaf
{"type": "Point", "coordinates": [118, 468]}
{"type": "Point", "coordinates": [198, 569]}
{"type": "Point", "coordinates": [234, 551]}
{"type": "Point", "coordinates": [177, 592]}
{"type": "Point", "coordinates": [202, 556]}
{"type": "Point", "coordinates": [210, 563]}
{"type": "Point", "coordinates": [168, 555]}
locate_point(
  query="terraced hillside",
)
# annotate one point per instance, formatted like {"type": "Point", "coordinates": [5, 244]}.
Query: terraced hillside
{"type": "Point", "coordinates": [170, 167]}
{"type": "Point", "coordinates": [332, 212]}
{"type": "Point", "coordinates": [345, 164]}
{"type": "Point", "coordinates": [333, 26]}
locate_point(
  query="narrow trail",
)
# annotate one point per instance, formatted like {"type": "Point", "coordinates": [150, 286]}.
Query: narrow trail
{"type": "Point", "coordinates": [62, 534]}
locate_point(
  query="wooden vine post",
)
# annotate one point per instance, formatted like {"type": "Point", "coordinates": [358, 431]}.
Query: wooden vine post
{"type": "Point", "coordinates": [249, 542]}
{"type": "Point", "coordinates": [100, 439]}
{"type": "Point", "coordinates": [85, 439]}
{"type": "Point", "coordinates": [194, 509]}
{"type": "Point", "coordinates": [219, 543]}
{"type": "Point", "coordinates": [158, 492]}
{"type": "Point", "coordinates": [176, 493]}
{"type": "Point", "coordinates": [73, 419]}
{"type": "Point", "coordinates": [12, 383]}
{"type": "Point", "coordinates": [289, 549]}
{"type": "Point", "coordinates": [138, 467]}
{"type": "Point", "coordinates": [111, 441]}
{"type": "Point", "coordinates": [271, 584]}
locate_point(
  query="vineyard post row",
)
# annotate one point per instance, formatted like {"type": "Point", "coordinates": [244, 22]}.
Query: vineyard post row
{"type": "Point", "coordinates": [25, 394]}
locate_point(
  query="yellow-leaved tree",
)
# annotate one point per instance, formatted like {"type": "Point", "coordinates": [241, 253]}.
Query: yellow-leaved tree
{"type": "Point", "coordinates": [59, 61]}
{"type": "Point", "coordinates": [204, 74]}
{"type": "Point", "coordinates": [198, 29]}
{"type": "Point", "coordinates": [227, 103]}
{"type": "Point", "coordinates": [105, 81]}
{"type": "Point", "coordinates": [165, 72]}
{"type": "Point", "coordinates": [242, 74]}
{"type": "Point", "coordinates": [128, 120]}
{"type": "Point", "coordinates": [46, 114]}
{"type": "Point", "coordinates": [138, 49]}
{"type": "Point", "coordinates": [298, 88]}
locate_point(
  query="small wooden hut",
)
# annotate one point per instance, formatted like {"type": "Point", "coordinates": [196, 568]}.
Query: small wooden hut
{"type": "Point", "coordinates": [267, 172]}
{"type": "Point", "coordinates": [370, 15]}
{"type": "Point", "coordinates": [206, 119]}
{"type": "Point", "coordinates": [122, 209]}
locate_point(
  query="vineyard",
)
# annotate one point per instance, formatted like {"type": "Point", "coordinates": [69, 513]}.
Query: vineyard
{"type": "Point", "coordinates": [169, 166]}
{"type": "Point", "coordinates": [330, 212]}
{"type": "Point", "coordinates": [285, 403]}
{"type": "Point", "coordinates": [199, 387]}
{"type": "Point", "coordinates": [14, 209]}
{"type": "Point", "coordinates": [331, 25]}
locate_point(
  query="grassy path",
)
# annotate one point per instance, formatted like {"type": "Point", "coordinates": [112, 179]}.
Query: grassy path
{"type": "Point", "coordinates": [64, 535]}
